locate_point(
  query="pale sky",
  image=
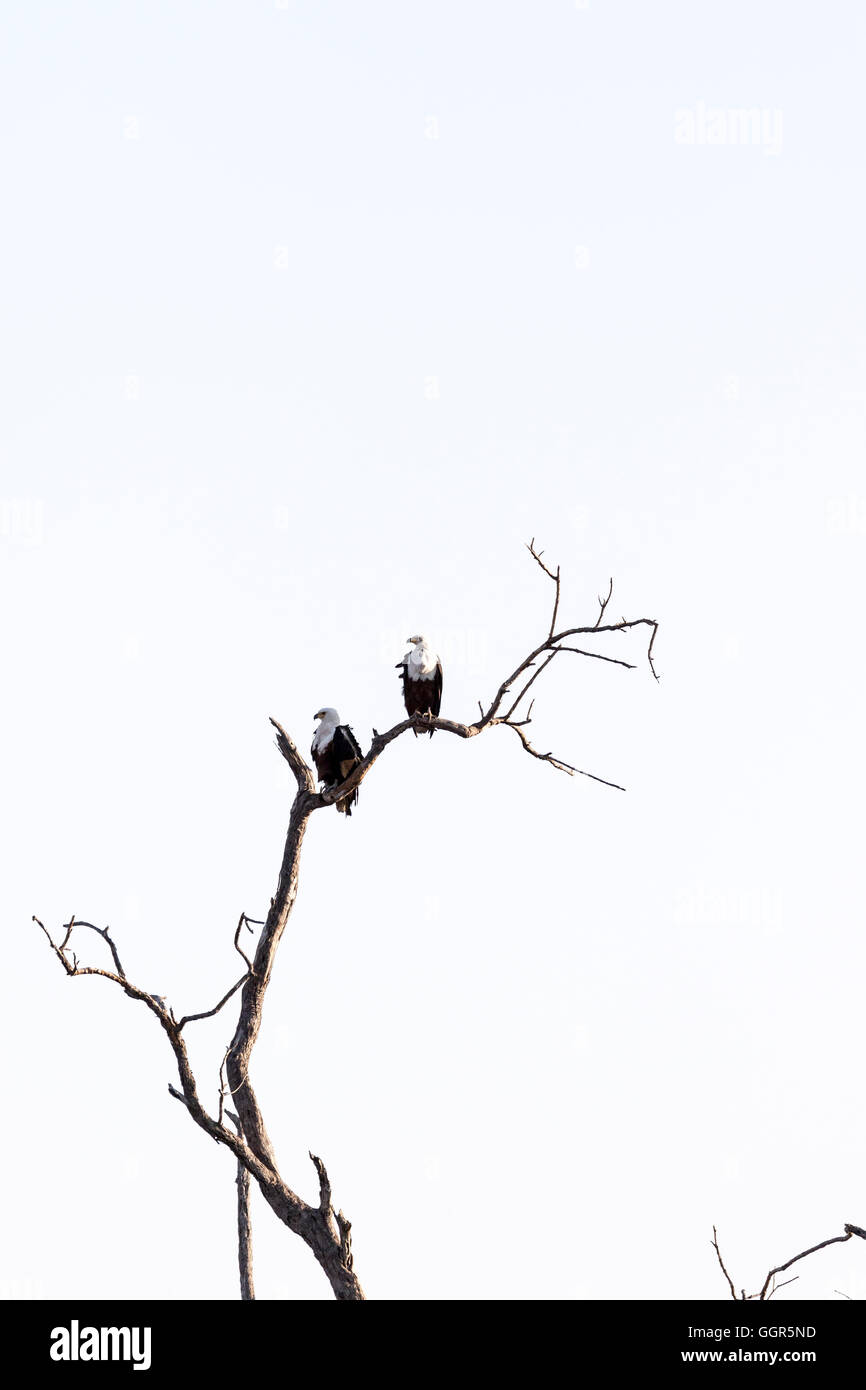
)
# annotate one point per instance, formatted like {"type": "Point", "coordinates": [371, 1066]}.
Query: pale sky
{"type": "Point", "coordinates": [314, 314]}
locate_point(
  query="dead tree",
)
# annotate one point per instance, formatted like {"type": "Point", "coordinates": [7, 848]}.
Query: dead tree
{"type": "Point", "coordinates": [769, 1286]}
{"type": "Point", "coordinates": [327, 1232]}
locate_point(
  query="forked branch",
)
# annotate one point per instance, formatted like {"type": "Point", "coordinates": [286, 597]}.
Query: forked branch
{"type": "Point", "coordinates": [528, 672]}
{"type": "Point", "coordinates": [770, 1286]}
{"type": "Point", "coordinates": [536, 555]}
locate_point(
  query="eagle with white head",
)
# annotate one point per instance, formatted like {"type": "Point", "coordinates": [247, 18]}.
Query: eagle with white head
{"type": "Point", "coordinates": [421, 674]}
{"type": "Point", "coordinates": [336, 754]}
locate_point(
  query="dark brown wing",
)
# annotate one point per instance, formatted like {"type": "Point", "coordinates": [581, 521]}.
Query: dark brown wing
{"type": "Point", "coordinates": [402, 667]}
{"type": "Point", "coordinates": [347, 756]}
{"type": "Point", "coordinates": [347, 751]}
{"type": "Point", "coordinates": [436, 701]}
{"type": "Point", "coordinates": [325, 763]}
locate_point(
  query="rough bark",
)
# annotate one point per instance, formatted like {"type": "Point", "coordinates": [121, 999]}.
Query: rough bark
{"type": "Point", "coordinates": [245, 1236]}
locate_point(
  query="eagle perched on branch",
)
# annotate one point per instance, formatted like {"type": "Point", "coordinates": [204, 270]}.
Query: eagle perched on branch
{"type": "Point", "coordinates": [421, 674]}
{"type": "Point", "coordinates": [336, 754]}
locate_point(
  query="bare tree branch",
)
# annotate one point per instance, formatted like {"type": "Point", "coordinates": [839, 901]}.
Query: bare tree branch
{"type": "Point", "coordinates": [245, 1229]}
{"type": "Point", "coordinates": [345, 1228]}
{"type": "Point", "coordinates": [223, 1091]}
{"type": "Point", "coordinates": [73, 968]}
{"type": "Point", "coordinates": [549, 648]}
{"type": "Point", "coordinates": [549, 758]}
{"type": "Point", "coordinates": [292, 1210]}
{"type": "Point", "coordinates": [193, 1018]}
{"type": "Point", "coordinates": [100, 931]}
{"type": "Point", "coordinates": [324, 1184]}
{"type": "Point", "coordinates": [245, 1235]}
{"type": "Point", "coordinates": [555, 641]}
{"type": "Point", "coordinates": [770, 1281]}
{"type": "Point", "coordinates": [243, 920]}
{"type": "Point", "coordinates": [721, 1261]}
{"type": "Point", "coordinates": [536, 555]}
{"type": "Point", "coordinates": [532, 678]}
{"type": "Point", "coordinates": [328, 1234]}
{"type": "Point", "coordinates": [834, 1240]}
{"type": "Point", "coordinates": [303, 772]}
{"type": "Point", "coordinates": [603, 602]}
{"type": "Point", "coordinates": [600, 656]}
{"type": "Point", "coordinates": [776, 1286]}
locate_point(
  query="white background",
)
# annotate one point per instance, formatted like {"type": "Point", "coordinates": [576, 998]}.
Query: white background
{"type": "Point", "coordinates": [313, 315]}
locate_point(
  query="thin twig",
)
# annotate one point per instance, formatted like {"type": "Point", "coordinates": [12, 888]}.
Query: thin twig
{"type": "Point", "coordinates": [599, 656]}
{"type": "Point", "coordinates": [193, 1018]}
{"type": "Point", "coordinates": [241, 920]}
{"type": "Point", "coordinates": [604, 602]}
{"type": "Point", "coordinates": [555, 762]}
{"type": "Point", "coordinates": [533, 677]}
{"type": "Point", "coordinates": [223, 1089]}
{"type": "Point", "coordinates": [776, 1287]}
{"type": "Point", "coordinates": [536, 555]}
{"type": "Point", "coordinates": [715, 1243]}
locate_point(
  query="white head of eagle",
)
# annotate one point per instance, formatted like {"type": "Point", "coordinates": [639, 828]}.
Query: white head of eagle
{"type": "Point", "coordinates": [336, 753]}
{"type": "Point", "coordinates": [421, 674]}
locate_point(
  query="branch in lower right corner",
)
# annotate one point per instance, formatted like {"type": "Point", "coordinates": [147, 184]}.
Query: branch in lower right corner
{"type": "Point", "coordinates": [770, 1286]}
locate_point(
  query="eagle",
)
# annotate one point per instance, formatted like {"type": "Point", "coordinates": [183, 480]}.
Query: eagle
{"type": "Point", "coordinates": [336, 754]}
{"type": "Point", "coordinates": [421, 674]}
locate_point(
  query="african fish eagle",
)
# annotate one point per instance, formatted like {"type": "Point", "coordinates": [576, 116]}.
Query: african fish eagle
{"type": "Point", "coordinates": [336, 754]}
{"type": "Point", "coordinates": [421, 674]}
